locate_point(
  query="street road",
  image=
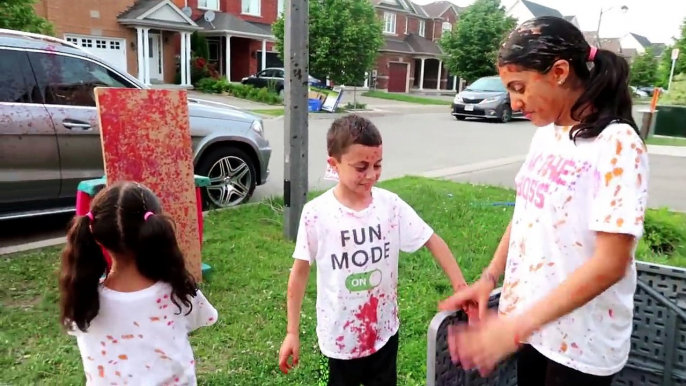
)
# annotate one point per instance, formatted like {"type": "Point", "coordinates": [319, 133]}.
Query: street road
{"type": "Point", "coordinates": [416, 140]}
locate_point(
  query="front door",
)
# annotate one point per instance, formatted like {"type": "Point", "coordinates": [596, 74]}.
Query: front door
{"type": "Point", "coordinates": [155, 57]}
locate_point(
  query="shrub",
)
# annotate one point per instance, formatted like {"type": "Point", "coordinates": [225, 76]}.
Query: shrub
{"type": "Point", "coordinates": [199, 46]}
{"type": "Point", "coordinates": [222, 86]}
{"type": "Point", "coordinates": [677, 93]}
{"type": "Point", "coordinates": [664, 234]}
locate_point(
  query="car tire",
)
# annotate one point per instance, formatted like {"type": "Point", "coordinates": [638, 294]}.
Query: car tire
{"type": "Point", "coordinates": [233, 177]}
{"type": "Point", "coordinates": [460, 117]}
{"type": "Point", "coordinates": [505, 114]}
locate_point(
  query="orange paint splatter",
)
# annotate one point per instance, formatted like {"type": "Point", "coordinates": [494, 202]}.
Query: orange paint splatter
{"type": "Point", "coordinates": [638, 220]}
{"type": "Point", "coordinates": [551, 264]}
{"type": "Point", "coordinates": [614, 161]}
{"type": "Point", "coordinates": [607, 218]}
{"type": "Point", "coordinates": [618, 148]}
{"type": "Point", "coordinates": [117, 373]}
{"type": "Point", "coordinates": [128, 336]}
{"type": "Point", "coordinates": [110, 337]}
{"type": "Point", "coordinates": [123, 357]}
{"type": "Point", "coordinates": [154, 318]}
{"type": "Point", "coordinates": [160, 351]}
{"type": "Point", "coordinates": [617, 189]}
{"type": "Point", "coordinates": [563, 347]}
{"type": "Point", "coordinates": [103, 352]}
{"type": "Point", "coordinates": [613, 203]}
{"type": "Point", "coordinates": [620, 222]}
{"type": "Point", "coordinates": [617, 171]}
{"type": "Point", "coordinates": [101, 371]}
{"type": "Point", "coordinates": [639, 179]}
{"type": "Point", "coordinates": [608, 178]}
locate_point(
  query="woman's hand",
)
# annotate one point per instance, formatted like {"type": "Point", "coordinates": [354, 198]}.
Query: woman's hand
{"type": "Point", "coordinates": [485, 344]}
{"type": "Point", "coordinates": [478, 293]}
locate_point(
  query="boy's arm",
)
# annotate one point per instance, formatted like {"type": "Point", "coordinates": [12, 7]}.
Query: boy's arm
{"type": "Point", "coordinates": [297, 282]}
{"type": "Point", "coordinates": [441, 252]}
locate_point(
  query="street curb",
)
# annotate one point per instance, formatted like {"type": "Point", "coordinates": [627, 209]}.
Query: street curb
{"type": "Point", "coordinates": [473, 167]}
{"type": "Point", "coordinates": [63, 240]}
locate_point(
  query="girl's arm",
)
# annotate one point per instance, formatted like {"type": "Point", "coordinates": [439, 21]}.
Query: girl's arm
{"type": "Point", "coordinates": [608, 265]}
{"type": "Point", "coordinates": [441, 252]}
{"type": "Point", "coordinates": [497, 266]}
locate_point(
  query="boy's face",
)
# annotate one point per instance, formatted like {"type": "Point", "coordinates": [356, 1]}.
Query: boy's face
{"type": "Point", "coordinates": [359, 167]}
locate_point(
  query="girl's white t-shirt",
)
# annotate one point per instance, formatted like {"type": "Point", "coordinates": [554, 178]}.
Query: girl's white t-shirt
{"type": "Point", "coordinates": [565, 194]}
{"type": "Point", "coordinates": [141, 338]}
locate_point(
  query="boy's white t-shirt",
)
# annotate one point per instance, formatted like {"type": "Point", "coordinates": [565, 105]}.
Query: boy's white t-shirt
{"type": "Point", "coordinates": [357, 268]}
{"type": "Point", "coordinates": [139, 338]}
{"type": "Point", "coordinates": [565, 194]}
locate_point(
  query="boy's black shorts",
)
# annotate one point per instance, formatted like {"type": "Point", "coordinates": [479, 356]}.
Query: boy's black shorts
{"type": "Point", "coordinates": [378, 369]}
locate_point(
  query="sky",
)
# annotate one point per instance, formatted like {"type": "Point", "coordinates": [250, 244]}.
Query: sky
{"type": "Point", "coordinates": [658, 20]}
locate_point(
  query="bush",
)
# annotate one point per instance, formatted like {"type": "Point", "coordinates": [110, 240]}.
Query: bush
{"type": "Point", "coordinates": [677, 93]}
{"type": "Point", "coordinates": [664, 234]}
{"type": "Point", "coordinates": [199, 46]}
{"type": "Point", "coordinates": [242, 91]}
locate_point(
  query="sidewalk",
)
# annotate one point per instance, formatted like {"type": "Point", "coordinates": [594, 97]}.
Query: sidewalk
{"type": "Point", "coordinates": [673, 151]}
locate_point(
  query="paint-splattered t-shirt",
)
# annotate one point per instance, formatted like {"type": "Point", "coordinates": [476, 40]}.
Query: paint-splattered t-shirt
{"type": "Point", "coordinates": [565, 194]}
{"type": "Point", "coordinates": [139, 338]}
{"type": "Point", "coordinates": [356, 253]}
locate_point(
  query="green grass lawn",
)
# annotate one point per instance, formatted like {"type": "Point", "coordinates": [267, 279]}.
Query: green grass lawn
{"type": "Point", "coordinates": [271, 112]}
{"type": "Point", "coordinates": [406, 98]}
{"type": "Point", "coordinates": [666, 141]}
{"type": "Point", "coordinates": [251, 262]}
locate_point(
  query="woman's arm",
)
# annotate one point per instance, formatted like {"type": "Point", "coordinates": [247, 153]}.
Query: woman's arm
{"type": "Point", "coordinates": [612, 256]}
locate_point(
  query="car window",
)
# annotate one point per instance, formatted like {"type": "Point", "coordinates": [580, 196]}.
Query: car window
{"type": "Point", "coordinates": [487, 84]}
{"type": "Point", "coordinates": [265, 74]}
{"type": "Point", "coordinates": [70, 81]}
{"type": "Point", "coordinates": [17, 83]}
{"type": "Point", "coordinates": [278, 73]}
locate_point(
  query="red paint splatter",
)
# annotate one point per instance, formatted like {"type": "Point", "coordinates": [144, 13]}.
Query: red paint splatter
{"type": "Point", "coordinates": [611, 313]}
{"type": "Point", "coordinates": [339, 342]}
{"type": "Point", "coordinates": [366, 333]}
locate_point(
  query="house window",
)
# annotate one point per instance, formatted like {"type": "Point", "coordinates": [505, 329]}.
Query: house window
{"type": "Point", "coordinates": [447, 26]}
{"type": "Point", "coordinates": [209, 4]}
{"type": "Point", "coordinates": [422, 28]}
{"type": "Point", "coordinates": [251, 7]}
{"type": "Point", "coordinates": [406, 22]}
{"type": "Point", "coordinates": [389, 22]}
{"type": "Point", "coordinates": [280, 6]}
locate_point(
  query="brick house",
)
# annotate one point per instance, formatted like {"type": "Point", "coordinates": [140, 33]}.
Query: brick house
{"type": "Point", "coordinates": [141, 37]}
{"type": "Point", "coordinates": [410, 57]}
{"type": "Point", "coordinates": [151, 38]}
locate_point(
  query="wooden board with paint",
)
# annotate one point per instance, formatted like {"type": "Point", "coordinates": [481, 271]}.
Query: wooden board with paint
{"type": "Point", "coordinates": [145, 137]}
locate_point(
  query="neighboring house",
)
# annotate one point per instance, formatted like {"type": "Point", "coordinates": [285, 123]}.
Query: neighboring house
{"type": "Point", "coordinates": [640, 43]}
{"type": "Point", "coordinates": [142, 37]}
{"type": "Point", "coordinates": [410, 57]}
{"type": "Point", "coordinates": [149, 38]}
{"type": "Point", "coordinates": [524, 10]}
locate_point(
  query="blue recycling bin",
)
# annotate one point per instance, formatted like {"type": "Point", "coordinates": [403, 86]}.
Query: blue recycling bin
{"type": "Point", "coordinates": [314, 105]}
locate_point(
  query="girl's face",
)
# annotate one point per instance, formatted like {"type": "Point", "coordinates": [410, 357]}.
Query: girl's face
{"type": "Point", "coordinates": [541, 97]}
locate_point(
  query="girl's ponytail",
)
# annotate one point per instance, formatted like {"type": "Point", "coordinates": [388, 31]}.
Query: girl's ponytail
{"type": "Point", "coordinates": [606, 92]}
{"type": "Point", "coordinates": [158, 257]}
{"type": "Point", "coordinates": [82, 265]}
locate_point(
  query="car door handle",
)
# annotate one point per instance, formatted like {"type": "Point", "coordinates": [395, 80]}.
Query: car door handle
{"type": "Point", "coordinates": [75, 125]}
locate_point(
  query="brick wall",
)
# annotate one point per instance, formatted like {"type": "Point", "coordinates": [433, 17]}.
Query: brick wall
{"type": "Point", "coordinates": [268, 10]}
{"type": "Point", "coordinates": [91, 17]}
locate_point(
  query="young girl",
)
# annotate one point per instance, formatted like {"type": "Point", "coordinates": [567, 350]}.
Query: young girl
{"type": "Point", "coordinates": [133, 327]}
{"type": "Point", "coordinates": [568, 254]}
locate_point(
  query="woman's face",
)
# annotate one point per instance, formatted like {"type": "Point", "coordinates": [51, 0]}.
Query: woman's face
{"type": "Point", "coordinates": [539, 96]}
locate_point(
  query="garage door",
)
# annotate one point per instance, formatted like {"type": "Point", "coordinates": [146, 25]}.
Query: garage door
{"type": "Point", "coordinates": [397, 77]}
{"type": "Point", "coordinates": [112, 51]}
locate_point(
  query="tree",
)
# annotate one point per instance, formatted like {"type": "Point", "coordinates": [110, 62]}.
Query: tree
{"type": "Point", "coordinates": [21, 16]}
{"type": "Point", "coordinates": [644, 69]}
{"type": "Point", "coordinates": [345, 36]}
{"type": "Point", "coordinates": [680, 67]}
{"type": "Point", "coordinates": [472, 47]}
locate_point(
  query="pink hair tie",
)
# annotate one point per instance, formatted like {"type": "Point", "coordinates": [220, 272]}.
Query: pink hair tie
{"type": "Point", "coordinates": [591, 54]}
{"type": "Point", "coordinates": [147, 215]}
{"type": "Point", "coordinates": [90, 216]}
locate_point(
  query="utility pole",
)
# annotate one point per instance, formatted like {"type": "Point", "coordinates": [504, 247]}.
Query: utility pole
{"type": "Point", "coordinates": [296, 114]}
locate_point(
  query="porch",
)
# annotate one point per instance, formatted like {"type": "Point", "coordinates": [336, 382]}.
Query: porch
{"type": "Point", "coordinates": [239, 48]}
{"type": "Point", "coordinates": [160, 26]}
{"type": "Point", "coordinates": [431, 75]}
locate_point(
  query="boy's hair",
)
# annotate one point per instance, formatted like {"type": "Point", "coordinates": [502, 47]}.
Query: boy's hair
{"type": "Point", "coordinates": [118, 221]}
{"type": "Point", "coordinates": [351, 130]}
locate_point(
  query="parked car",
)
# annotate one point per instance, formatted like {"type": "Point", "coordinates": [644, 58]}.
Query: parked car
{"type": "Point", "coordinates": [50, 139]}
{"type": "Point", "coordinates": [272, 78]}
{"type": "Point", "coordinates": [487, 98]}
{"type": "Point", "coordinates": [314, 82]}
{"type": "Point", "coordinates": [638, 92]}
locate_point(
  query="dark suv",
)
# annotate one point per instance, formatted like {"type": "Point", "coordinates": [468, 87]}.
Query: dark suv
{"type": "Point", "coordinates": [50, 139]}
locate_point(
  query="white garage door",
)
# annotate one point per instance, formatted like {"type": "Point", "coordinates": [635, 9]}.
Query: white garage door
{"type": "Point", "coordinates": [112, 51]}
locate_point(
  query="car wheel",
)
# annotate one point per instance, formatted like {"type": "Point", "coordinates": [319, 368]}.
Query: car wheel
{"type": "Point", "coordinates": [232, 177]}
{"type": "Point", "coordinates": [506, 114]}
{"type": "Point", "coordinates": [460, 117]}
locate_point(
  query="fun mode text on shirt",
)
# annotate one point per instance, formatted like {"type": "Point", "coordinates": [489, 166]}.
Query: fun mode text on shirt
{"type": "Point", "coordinates": [540, 173]}
{"type": "Point", "coordinates": [369, 245]}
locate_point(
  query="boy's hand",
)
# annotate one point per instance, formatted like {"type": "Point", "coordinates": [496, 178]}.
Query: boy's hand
{"type": "Point", "coordinates": [289, 348]}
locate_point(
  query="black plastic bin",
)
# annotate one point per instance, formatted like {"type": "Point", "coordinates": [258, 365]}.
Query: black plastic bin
{"type": "Point", "coordinates": [671, 121]}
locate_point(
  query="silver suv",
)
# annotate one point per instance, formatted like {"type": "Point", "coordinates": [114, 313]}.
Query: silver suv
{"type": "Point", "coordinates": [50, 139]}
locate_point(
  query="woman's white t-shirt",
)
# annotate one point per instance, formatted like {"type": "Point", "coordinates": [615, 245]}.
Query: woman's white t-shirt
{"type": "Point", "coordinates": [566, 193]}
{"type": "Point", "coordinates": [141, 338]}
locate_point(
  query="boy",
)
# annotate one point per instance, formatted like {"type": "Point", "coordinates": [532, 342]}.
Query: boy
{"type": "Point", "coordinates": [354, 232]}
